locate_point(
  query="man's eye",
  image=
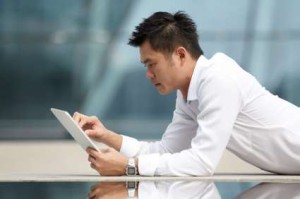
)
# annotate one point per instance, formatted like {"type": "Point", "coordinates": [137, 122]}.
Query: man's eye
{"type": "Point", "coordinates": [151, 65]}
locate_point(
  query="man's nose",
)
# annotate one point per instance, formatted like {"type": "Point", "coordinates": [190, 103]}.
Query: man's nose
{"type": "Point", "coordinates": [150, 75]}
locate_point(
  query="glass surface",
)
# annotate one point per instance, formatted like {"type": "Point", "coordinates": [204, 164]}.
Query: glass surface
{"type": "Point", "coordinates": [150, 189]}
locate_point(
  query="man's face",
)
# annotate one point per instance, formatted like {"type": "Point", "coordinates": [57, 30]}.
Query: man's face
{"type": "Point", "coordinates": [162, 71]}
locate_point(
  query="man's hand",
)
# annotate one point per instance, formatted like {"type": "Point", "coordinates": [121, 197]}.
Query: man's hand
{"type": "Point", "coordinates": [108, 162]}
{"type": "Point", "coordinates": [91, 125]}
{"type": "Point", "coordinates": [97, 131]}
{"type": "Point", "coordinates": [108, 190]}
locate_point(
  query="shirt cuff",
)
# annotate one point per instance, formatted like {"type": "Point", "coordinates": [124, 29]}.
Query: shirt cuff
{"type": "Point", "coordinates": [148, 164]}
{"type": "Point", "coordinates": [130, 146]}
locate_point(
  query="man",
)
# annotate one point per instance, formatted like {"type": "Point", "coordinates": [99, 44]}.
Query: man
{"type": "Point", "coordinates": [218, 105]}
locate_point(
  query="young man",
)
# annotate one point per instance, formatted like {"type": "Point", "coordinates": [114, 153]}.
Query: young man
{"type": "Point", "coordinates": [218, 105]}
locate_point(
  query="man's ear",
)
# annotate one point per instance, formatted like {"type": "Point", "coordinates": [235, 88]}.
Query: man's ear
{"type": "Point", "coordinates": [181, 53]}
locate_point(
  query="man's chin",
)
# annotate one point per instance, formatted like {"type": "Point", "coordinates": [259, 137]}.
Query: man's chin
{"type": "Point", "coordinates": [164, 92]}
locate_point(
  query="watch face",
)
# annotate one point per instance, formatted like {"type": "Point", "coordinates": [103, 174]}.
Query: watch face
{"type": "Point", "coordinates": [131, 185]}
{"type": "Point", "coordinates": [131, 171]}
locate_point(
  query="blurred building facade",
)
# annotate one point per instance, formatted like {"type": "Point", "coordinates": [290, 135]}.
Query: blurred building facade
{"type": "Point", "coordinates": [74, 55]}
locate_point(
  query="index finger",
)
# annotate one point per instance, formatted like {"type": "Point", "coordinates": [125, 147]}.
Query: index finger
{"type": "Point", "coordinates": [76, 117]}
{"type": "Point", "coordinates": [81, 119]}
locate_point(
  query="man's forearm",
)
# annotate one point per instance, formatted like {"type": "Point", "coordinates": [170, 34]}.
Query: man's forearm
{"type": "Point", "coordinates": [113, 140]}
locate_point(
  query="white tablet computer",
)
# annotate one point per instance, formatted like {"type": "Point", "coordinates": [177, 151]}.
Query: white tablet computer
{"type": "Point", "coordinates": [73, 128]}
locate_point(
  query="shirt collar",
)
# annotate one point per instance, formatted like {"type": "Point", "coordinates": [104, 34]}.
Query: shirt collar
{"type": "Point", "coordinates": [192, 92]}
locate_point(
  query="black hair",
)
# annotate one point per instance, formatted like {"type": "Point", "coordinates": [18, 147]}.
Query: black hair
{"type": "Point", "coordinates": [166, 31]}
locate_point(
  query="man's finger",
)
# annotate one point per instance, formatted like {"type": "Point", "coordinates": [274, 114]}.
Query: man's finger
{"type": "Point", "coordinates": [95, 167]}
{"type": "Point", "coordinates": [76, 116]}
{"type": "Point", "coordinates": [94, 118]}
{"type": "Point", "coordinates": [82, 121]}
{"type": "Point", "coordinates": [92, 166]}
{"type": "Point", "coordinates": [91, 194]}
{"type": "Point", "coordinates": [94, 187]}
{"type": "Point", "coordinates": [93, 152]}
{"type": "Point", "coordinates": [92, 159]}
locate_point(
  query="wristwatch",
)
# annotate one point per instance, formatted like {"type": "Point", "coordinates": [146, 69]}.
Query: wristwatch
{"type": "Point", "coordinates": [131, 187]}
{"type": "Point", "coordinates": [131, 169]}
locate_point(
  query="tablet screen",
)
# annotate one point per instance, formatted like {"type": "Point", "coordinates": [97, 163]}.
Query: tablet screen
{"type": "Point", "coordinates": [73, 128]}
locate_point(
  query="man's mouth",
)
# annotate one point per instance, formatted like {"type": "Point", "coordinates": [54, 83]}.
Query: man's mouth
{"type": "Point", "coordinates": [157, 84]}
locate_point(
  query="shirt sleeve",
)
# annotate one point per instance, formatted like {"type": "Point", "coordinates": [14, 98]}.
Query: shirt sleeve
{"type": "Point", "coordinates": [176, 138]}
{"type": "Point", "coordinates": [219, 103]}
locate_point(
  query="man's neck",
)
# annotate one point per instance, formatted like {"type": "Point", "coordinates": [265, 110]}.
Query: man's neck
{"type": "Point", "coordinates": [187, 80]}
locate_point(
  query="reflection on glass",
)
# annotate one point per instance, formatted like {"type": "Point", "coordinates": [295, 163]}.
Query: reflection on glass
{"type": "Point", "coordinates": [272, 190]}
{"type": "Point", "coordinates": [44, 190]}
{"type": "Point", "coordinates": [150, 189]}
{"type": "Point", "coordinates": [107, 190]}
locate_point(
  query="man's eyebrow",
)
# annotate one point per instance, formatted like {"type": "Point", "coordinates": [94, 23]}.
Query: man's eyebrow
{"type": "Point", "coordinates": [145, 61]}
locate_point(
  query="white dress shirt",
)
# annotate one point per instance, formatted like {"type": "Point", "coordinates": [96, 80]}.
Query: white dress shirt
{"type": "Point", "coordinates": [225, 107]}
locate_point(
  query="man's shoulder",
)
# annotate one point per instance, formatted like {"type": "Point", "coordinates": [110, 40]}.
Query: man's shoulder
{"type": "Point", "coordinates": [221, 57]}
{"type": "Point", "coordinates": [222, 64]}
{"type": "Point", "coordinates": [217, 65]}
{"type": "Point", "coordinates": [221, 71]}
